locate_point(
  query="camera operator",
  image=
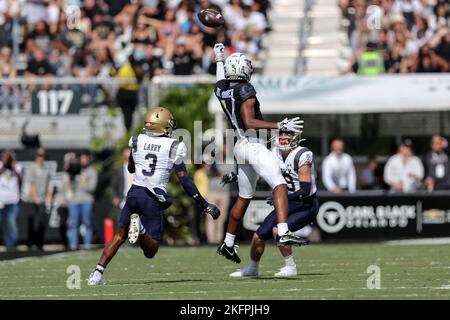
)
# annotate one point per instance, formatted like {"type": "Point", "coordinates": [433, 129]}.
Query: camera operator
{"type": "Point", "coordinates": [10, 181]}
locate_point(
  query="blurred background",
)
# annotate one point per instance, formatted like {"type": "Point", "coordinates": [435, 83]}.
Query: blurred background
{"type": "Point", "coordinates": [369, 77]}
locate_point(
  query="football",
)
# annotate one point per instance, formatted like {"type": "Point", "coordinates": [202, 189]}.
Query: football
{"type": "Point", "coordinates": [211, 18]}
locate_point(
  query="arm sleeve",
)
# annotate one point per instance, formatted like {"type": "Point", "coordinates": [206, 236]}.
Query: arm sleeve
{"type": "Point", "coordinates": [189, 186]}
{"type": "Point", "coordinates": [326, 175]}
{"type": "Point", "coordinates": [305, 189]}
{"type": "Point", "coordinates": [220, 71]}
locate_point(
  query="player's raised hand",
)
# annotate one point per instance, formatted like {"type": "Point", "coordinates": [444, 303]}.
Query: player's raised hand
{"type": "Point", "coordinates": [212, 210]}
{"type": "Point", "coordinates": [294, 124]}
{"type": "Point", "coordinates": [219, 52]}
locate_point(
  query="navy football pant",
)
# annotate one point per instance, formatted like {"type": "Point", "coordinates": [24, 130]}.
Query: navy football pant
{"type": "Point", "coordinates": [299, 215]}
{"type": "Point", "coordinates": [149, 209]}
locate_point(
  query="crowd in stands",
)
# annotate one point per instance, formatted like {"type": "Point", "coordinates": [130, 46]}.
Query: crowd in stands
{"type": "Point", "coordinates": [397, 36]}
{"type": "Point", "coordinates": [403, 172]}
{"type": "Point", "coordinates": [85, 38]}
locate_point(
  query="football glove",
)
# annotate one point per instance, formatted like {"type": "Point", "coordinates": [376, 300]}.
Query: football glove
{"type": "Point", "coordinates": [294, 125]}
{"type": "Point", "coordinates": [228, 178]}
{"type": "Point", "coordinates": [219, 52]}
{"type": "Point", "coordinates": [212, 210]}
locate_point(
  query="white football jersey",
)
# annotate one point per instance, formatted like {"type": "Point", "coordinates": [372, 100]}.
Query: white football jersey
{"type": "Point", "coordinates": [154, 158]}
{"type": "Point", "coordinates": [297, 158]}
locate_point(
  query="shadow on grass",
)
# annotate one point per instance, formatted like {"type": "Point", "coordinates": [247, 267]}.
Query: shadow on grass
{"type": "Point", "coordinates": [154, 282]}
{"type": "Point", "coordinates": [298, 277]}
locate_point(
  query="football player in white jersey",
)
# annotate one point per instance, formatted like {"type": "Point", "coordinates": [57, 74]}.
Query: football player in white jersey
{"type": "Point", "coordinates": [238, 99]}
{"type": "Point", "coordinates": [297, 166]}
{"type": "Point", "coordinates": [154, 155]}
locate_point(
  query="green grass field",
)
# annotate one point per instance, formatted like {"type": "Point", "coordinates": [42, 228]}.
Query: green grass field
{"type": "Point", "coordinates": [326, 272]}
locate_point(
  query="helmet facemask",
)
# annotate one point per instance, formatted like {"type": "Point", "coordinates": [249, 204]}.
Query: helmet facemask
{"type": "Point", "coordinates": [287, 140]}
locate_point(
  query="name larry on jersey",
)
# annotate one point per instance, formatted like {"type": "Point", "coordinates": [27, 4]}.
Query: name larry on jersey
{"type": "Point", "coordinates": [152, 147]}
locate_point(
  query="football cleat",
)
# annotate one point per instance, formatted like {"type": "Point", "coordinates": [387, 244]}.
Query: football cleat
{"type": "Point", "coordinates": [247, 272]}
{"type": "Point", "coordinates": [229, 252]}
{"type": "Point", "coordinates": [95, 281]}
{"type": "Point", "coordinates": [290, 238]}
{"type": "Point", "coordinates": [287, 271]}
{"type": "Point", "coordinates": [133, 231]}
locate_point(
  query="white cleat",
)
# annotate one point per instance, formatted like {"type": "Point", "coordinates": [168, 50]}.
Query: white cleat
{"type": "Point", "coordinates": [247, 272]}
{"type": "Point", "coordinates": [287, 271]}
{"type": "Point", "coordinates": [94, 281]}
{"type": "Point", "coordinates": [133, 231]}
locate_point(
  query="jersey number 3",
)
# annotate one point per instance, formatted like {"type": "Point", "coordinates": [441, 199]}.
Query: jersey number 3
{"type": "Point", "coordinates": [152, 164]}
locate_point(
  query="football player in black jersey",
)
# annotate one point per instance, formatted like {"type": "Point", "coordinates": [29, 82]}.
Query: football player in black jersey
{"type": "Point", "coordinates": [239, 102]}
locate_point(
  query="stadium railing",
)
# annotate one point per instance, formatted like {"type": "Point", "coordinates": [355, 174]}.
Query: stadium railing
{"type": "Point", "coordinates": [305, 32]}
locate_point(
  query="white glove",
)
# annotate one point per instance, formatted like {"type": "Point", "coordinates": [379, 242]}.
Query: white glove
{"type": "Point", "coordinates": [219, 52]}
{"type": "Point", "coordinates": [294, 124]}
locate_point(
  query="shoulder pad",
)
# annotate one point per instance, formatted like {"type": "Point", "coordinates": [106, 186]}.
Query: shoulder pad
{"type": "Point", "coordinates": [247, 91]}
{"type": "Point", "coordinates": [297, 157]}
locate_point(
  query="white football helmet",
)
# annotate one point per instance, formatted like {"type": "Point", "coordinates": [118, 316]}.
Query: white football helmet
{"type": "Point", "coordinates": [238, 67]}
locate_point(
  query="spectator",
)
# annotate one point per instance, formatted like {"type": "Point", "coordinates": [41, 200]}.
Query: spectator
{"type": "Point", "coordinates": [338, 171]}
{"type": "Point", "coordinates": [127, 95]}
{"type": "Point", "coordinates": [370, 62]}
{"type": "Point", "coordinates": [219, 195]}
{"type": "Point", "coordinates": [39, 37]}
{"type": "Point", "coordinates": [368, 177]}
{"type": "Point", "coordinates": [38, 67]}
{"type": "Point", "coordinates": [201, 181]}
{"type": "Point", "coordinates": [38, 179]}
{"type": "Point", "coordinates": [426, 60]}
{"type": "Point", "coordinates": [83, 186]}
{"type": "Point", "coordinates": [413, 24]}
{"type": "Point", "coordinates": [437, 167]}
{"type": "Point", "coordinates": [9, 92]}
{"type": "Point", "coordinates": [404, 171]}
{"type": "Point", "coordinates": [10, 181]}
{"type": "Point", "coordinates": [441, 43]}
{"type": "Point", "coordinates": [121, 181]}
{"type": "Point", "coordinates": [184, 59]}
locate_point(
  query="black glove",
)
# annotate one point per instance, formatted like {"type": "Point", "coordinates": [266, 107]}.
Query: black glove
{"type": "Point", "coordinates": [269, 200]}
{"type": "Point", "coordinates": [229, 178]}
{"type": "Point", "coordinates": [212, 210]}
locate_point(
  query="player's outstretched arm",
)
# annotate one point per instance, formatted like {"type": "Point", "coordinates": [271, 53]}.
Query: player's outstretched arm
{"type": "Point", "coordinates": [250, 122]}
{"type": "Point", "coordinates": [219, 52]}
{"type": "Point", "coordinates": [192, 190]}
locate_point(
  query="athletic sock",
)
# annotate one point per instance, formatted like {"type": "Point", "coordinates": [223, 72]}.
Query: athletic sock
{"type": "Point", "coordinates": [99, 269]}
{"type": "Point", "coordinates": [282, 228]}
{"type": "Point", "coordinates": [289, 261]}
{"type": "Point", "coordinates": [229, 239]}
{"type": "Point", "coordinates": [253, 264]}
{"type": "Point", "coordinates": [142, 230]}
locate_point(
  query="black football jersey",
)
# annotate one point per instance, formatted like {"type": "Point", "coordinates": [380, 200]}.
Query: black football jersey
{"type": "Point", "coordinates": [231, 96]}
